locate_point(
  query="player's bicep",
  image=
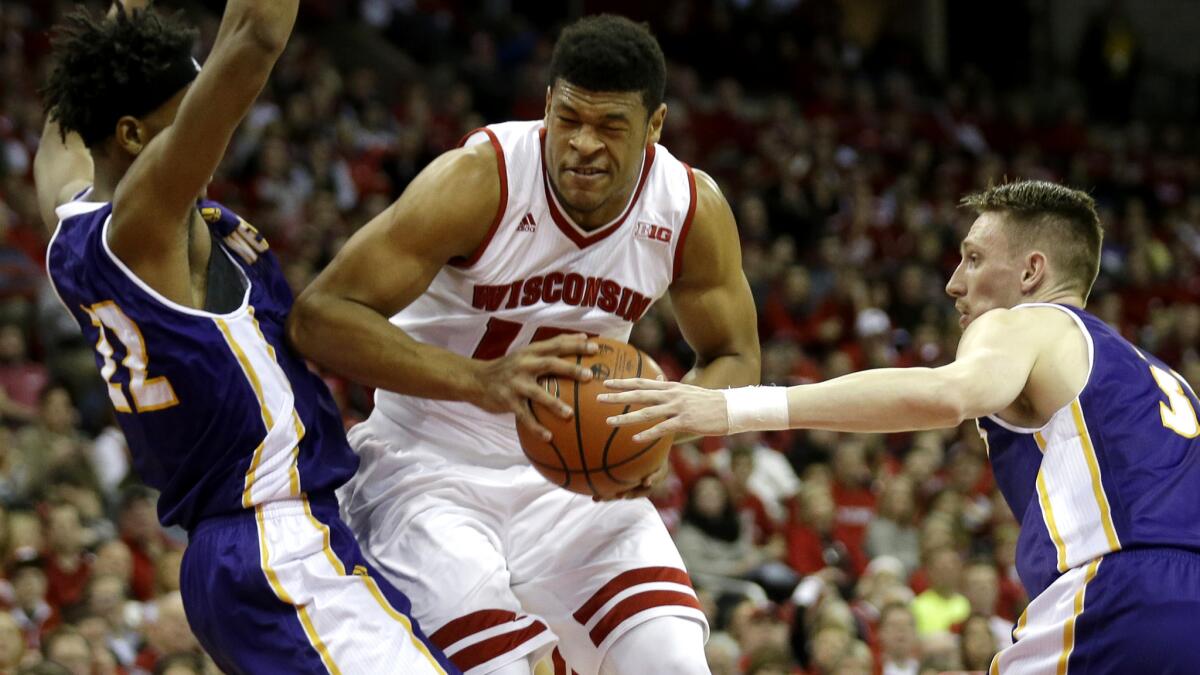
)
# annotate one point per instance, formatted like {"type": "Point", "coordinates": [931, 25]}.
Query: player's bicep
{"type": "Point", "coordinates": [711, 297]}
{"type": "Point", "coordinates": [995, 358]}
{"type": "Point", "coordinates": [444, 214]}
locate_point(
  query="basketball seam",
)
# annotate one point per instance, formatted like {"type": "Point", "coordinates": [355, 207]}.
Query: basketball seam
{"type": "Point", "coordinates": [587, 476]}
{"type": "Point", "coordinates": [613, 435]}
{"type": "Point", "coordinates": [562, 460]}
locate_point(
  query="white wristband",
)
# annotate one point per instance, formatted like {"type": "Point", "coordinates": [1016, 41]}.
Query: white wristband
{"type": "Point", "coordinates": [756, 408]}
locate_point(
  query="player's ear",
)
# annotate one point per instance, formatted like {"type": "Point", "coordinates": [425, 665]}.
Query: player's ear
{"type": "Point", "coordinates": [131, 135]}
{"type": "Point", "coordinates": [549, 99]}
{"type": "Point", "coordinates": [1033, 274]}
{"type": "Point", "coordinates": [656, 124]}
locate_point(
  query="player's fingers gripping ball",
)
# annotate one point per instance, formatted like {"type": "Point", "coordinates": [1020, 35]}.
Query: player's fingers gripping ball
{"type": "Point", "coordinates": [585, 454]}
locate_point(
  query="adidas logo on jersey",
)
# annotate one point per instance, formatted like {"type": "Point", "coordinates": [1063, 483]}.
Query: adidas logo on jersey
{"type": "Point", "coordinates": [652, 232]}
{"type": "Point", "coordinates": [527, 224]}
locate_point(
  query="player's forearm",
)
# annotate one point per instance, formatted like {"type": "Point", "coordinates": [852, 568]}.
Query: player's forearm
{"type": "Point", "coordinates": [876, 401]}
{"type": "Point", "coordinates": [384, 356]}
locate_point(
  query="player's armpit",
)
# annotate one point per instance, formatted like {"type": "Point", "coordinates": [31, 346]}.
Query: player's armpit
{"type": "Point", "coordinates": [711, 296]}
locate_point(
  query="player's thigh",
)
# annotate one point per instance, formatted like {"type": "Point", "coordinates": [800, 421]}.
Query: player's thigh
{"type": "Point", "coordinates": [596, 571]}
{"type": "Point", "coordinates": [272, 594]}
{"type": "Point", "coordinates": [448, 559]}
{"type": "Point", "coordinates": [1127, 612]}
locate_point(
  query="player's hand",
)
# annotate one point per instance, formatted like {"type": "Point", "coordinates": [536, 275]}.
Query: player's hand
{"type": "Point", "coordinates": [683, 408]}
{"type": "Point", "coordinates": [508, 383]}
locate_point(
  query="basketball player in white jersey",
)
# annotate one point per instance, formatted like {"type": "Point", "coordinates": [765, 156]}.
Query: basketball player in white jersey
{"type": "Point", "coordinates": [566, 226]}
{"type": "Point", "coordinates": [1094, 443]}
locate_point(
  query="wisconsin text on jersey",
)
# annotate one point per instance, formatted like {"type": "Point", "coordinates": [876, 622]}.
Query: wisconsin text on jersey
{"type": "Point", "coordinates": [558, 287]}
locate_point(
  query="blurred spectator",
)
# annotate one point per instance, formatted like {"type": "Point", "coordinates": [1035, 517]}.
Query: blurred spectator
{"type": "Point", "coordinates": [898, 641]}
{"type": "Point", "coordinates": [67, 566]}
{"type": "Point", "coordinates": [137, 521]}
{"type": "Point", "coordinates": [978, 643]}
{"type": "Point", "coordinates": [12, 644]}
{"type": "Point", "coordinates": [68, 648]}
{"type": "Point", "coordinates": [893, 531]}
{"type": "Point", "coordinates": [981, 586]}
{"type": "Point", "coordinates": [941, 606]}
{"type": "Point", "coordinates": [33, 613]}
{"type": "Point", "coordinates": [719, 552]}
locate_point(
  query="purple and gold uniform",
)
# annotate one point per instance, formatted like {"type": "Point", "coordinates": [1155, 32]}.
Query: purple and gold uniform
{"type": "Point", "coordinates": [1108, 497]}
{"type": "Point", "coordinates": [246, 446]}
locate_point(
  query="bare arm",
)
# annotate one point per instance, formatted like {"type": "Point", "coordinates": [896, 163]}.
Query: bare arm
{"type": "Point", "coordinates": [995, 359]}
{"type": "Point", "coordinates": [154, 200]}
{"type": "Point", "coordinates": [60, 170]}
{"type": "Point", "coordinates": [444, 213]}
{"type": "Point", "coordinates": [712, 299]}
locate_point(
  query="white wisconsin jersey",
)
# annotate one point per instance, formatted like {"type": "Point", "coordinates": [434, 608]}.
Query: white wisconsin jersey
{"type": "Point", "coordinates": [537, 274]}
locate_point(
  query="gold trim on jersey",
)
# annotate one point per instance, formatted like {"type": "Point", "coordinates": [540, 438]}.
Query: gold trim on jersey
{"type": "Point", "coordinates": [1089, 454]}
{"type": "Point", "coordinates": [1048, 511]}
{"type": "Point", "coordinates": [1069, 626]}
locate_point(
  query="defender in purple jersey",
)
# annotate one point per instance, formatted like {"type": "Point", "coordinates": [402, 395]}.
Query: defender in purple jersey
{"type": "Point", "coordinates": [1094, 443]}
{"type": "Point", "coordinates": [185, 304]}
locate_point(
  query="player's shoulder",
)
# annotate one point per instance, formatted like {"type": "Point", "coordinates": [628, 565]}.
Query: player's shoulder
{"type": "Point", "coordinates": [1028, 324]}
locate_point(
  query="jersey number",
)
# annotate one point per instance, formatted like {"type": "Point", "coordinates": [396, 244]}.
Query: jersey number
{"type": "Point", "coordinates": [148, 393]}
{"type": "Point", "coordinates": [500, 334]}
{"type": "Point", "coordinates": [1179, 416]}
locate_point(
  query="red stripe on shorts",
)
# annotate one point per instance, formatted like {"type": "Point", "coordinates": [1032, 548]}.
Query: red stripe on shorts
{"type": "Point", "coordinates": [627, 580]}
{"type": "Point", "coordinates": [468, 625]}
{"type": "Point", "coordinates": [486, 650]}
{"type": "Point", "coordinates": [635, 604]}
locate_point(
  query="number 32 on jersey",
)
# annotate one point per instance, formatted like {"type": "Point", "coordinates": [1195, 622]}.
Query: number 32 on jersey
{"type": "Point", "coordinates": [148, 393]}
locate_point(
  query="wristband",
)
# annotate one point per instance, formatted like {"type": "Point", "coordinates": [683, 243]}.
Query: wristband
{"type": "Point", "coordinates": [756, 408]}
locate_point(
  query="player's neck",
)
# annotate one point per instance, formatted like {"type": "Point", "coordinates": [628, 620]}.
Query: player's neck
{"type": "Point", "coordinates": [107, 176]}
{"type": "Point", "coordinates": [1058, 297]}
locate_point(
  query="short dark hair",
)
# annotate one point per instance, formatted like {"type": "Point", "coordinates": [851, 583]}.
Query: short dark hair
{"type": "Point", "coordinates": [1047, 214]}
{"type": "Point", "coordinates": [105, 68]}
{"type": "Point", "coordinates": [611, 53]}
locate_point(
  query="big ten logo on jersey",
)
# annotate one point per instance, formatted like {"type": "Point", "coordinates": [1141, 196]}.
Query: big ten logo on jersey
{"type": "Point", "coordinates": [652, 232]}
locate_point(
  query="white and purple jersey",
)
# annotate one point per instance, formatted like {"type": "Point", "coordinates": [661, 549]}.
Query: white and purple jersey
{"type": "Point", "coordinates": [220, 414]}
{"type": "Point", "coordinates": [1118, 468]}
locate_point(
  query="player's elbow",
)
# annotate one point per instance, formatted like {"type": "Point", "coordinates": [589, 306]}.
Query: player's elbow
{"type": "Point", "coordinates": [263, 29]}
{"type": "Point", "coordinates": [962, 396]}
{"type": "Point", "coordinates": [301, 324]}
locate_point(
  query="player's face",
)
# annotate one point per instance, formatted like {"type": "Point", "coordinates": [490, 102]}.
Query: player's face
{"type": "Point", "coordinates": [595, 141]}
{"type": "Point", "coordinates": [989, 275]}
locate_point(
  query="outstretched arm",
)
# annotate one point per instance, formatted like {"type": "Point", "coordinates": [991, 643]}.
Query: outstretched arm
{"type": "Point", "coordinates": [154, 200]}
{"type": "Point", "coordinates": [995, 358]}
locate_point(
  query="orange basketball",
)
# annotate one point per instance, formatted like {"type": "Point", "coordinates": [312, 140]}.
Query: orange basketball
{"type": "Point", "coordinates": [586, 455]}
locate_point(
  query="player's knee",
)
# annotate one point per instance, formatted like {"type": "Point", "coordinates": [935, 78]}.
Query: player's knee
{"type": "Point", "coordinates": [669, 645]}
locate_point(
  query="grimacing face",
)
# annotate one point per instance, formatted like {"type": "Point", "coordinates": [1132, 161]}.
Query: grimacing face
{"type": "Point", "coordinates": [595, 141]}
{"type": "Point", "coordinates": [989, 275]}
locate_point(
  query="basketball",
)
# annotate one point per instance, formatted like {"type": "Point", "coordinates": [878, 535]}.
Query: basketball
{"type": "Point", "coordinates": [586, 455]}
